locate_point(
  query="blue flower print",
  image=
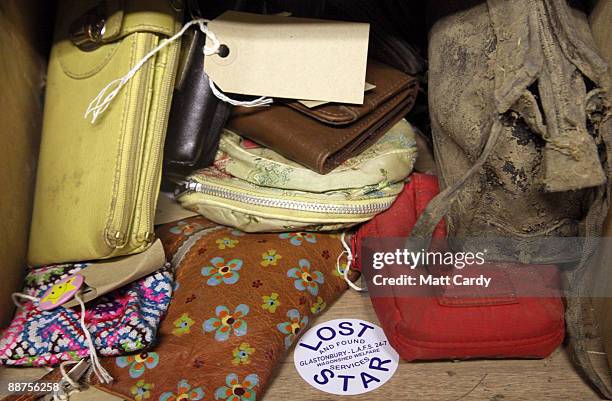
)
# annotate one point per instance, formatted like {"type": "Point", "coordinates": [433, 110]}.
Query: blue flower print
{"type": "Point", "coordinates": [220, 271]}
{"type": "Point", "coordinates": [138, 363]}
{"type": "Point", "coordinates": [293, 327]}
{"type": "Point", "coordinates": [238, 390]}
{"type": "Point", "coordinates": [226, 322]}
{"type": "Point", "coordinates": [305, 279]}
{"type": "Point", "coordinates": [298, 238]}
{"type": "Point", "coordinates": [184, 392]}
{"type": "Point", "coordinates": [185, 228]}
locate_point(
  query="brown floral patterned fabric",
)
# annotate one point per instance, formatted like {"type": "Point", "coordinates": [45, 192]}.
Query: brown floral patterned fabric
{"type": "Point", "coordinates": [240, 302]}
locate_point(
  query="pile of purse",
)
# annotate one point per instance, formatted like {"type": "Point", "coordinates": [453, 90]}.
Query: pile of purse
{"type": "Point", "coordinates": [288, 167]}
{"type": "Point", "coordinates": [515, 159]}
{"type": "Point", "coordinates": [253, 188]}
{"type": "Point", "coordinates": [306, 167]}
{"type": "Point", "coordinates": [150, 111]}
{"type": "Point", "coordinates": [98, 177]}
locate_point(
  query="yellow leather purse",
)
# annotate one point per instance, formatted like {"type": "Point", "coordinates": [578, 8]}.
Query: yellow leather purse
{"type": "Point", "coordinates": [97, 183]}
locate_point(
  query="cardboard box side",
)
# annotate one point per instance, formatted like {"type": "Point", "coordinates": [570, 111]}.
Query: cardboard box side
{"type": "Point", "coordinates": [22, 69]}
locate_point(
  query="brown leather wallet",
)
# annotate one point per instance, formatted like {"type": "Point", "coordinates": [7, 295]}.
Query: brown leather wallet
{"type": "Point", "coordinates": [325, 136]}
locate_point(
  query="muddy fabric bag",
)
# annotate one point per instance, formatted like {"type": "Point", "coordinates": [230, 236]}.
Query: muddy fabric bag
{"type": "Point", "coordinates": [518, 108]}
{"type": "Point", "coordinates": [520, 117]}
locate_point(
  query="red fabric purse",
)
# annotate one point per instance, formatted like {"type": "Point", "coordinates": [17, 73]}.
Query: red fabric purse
{"type": "Point", "coordinates": [497, 323]}
{"type": "Point", "coordinates": [398, 220]}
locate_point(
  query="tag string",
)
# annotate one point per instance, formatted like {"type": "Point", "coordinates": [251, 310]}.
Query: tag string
{"type": "Point", "coordinates": [104, 98]}
{"type": "Point", "coordinates": [98, 369]}
{"type": "Point", "coordinates": [349, 261]}
{"type": "Point", "coordinates": [260, 101]}
{"type": "Point", "coordinates": [16, 295]}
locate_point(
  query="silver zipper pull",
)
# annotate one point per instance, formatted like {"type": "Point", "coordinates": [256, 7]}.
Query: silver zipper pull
{"type": "Point", "coordinates": [186, 186]}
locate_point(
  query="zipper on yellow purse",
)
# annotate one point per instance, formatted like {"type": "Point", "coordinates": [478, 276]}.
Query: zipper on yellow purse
{"type": "Point", "coordinates": [144, 227]}
{"type": "Point", "coordinates": [117, 233]}
{"type": "Point", "coordinates": [347, 208]}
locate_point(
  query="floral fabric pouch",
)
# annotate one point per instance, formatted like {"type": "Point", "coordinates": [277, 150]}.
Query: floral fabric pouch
{"type": "Point", "coordinates": [121, 321]}
{"type": "Point", "coordinates": [241, 301]}
{"type": "Point", "coordinates": [255, 189]}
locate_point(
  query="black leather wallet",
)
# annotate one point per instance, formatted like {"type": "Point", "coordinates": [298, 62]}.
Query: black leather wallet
{"type": "Point", "coordinates": [197, 116]}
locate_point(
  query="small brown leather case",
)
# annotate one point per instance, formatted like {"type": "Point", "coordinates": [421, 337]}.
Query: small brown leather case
{"type": "Point", "coordinates": [323, 137]}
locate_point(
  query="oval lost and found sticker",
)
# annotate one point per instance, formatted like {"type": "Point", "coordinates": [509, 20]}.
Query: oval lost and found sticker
{"type": "Point", "coordinates": [345, 357]}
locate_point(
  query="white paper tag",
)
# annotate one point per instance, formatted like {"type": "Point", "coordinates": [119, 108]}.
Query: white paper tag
{"type": "Point", "coordinates": [345, 357]}
{"type": "Point", "coordinates": [296, 58]}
